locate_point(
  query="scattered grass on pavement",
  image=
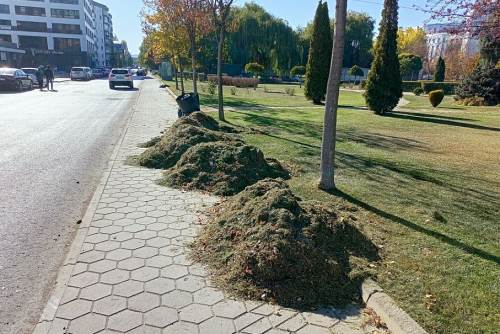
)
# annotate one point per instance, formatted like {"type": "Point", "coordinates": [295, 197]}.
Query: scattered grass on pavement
{"type": "Point", "coordinates": [429, 180]}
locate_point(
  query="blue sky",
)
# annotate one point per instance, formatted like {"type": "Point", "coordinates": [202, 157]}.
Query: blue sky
{"type": "Point", "coordinates": [127, 22]}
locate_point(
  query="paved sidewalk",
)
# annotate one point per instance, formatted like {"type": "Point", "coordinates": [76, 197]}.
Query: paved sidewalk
{"type": "Point", "coordinates": [128, 272]}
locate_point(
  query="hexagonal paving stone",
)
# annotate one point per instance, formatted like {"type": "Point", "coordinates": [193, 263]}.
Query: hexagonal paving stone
{"type": "Point", "coordinates": [259, 327]}
{"type": "Point", "coordinates": [265, 309]}
{"type": "Point", "coordinates": [107, 246]}
{"type": "Point", "coordinates": [74, 309]}
{"type": "Point", "coordinates": [159, 261]}
{"type": "Point", "coordinates": [122, 236]}
{"type": "Point", "coordinates": [208, 296]}
{"type": "Point", "coordinates": [169, 233]}
{"type": "Point", "coordinates": [146, 220]}
{"type": "Point", "coordinates": [145, 274]}
{"type": "Point", "coordinates": [174, 271]}
{"type": "Point", "coordinates": [145, 235]}
{"type": "Point", "coordinates": [133, 244]}
{"type": "Point", "coordinates": [102, 266]}
{"type": "Point", "coordinates": [119, 254]}
{"type": "Point", "coordinates": [134, 228]}
{"type": "Point", "coordinates": [172, 250]}
{"type": "Point", "coordinates": [229, 309]}
{"type": "Point", "coordinates": [131, 263]}
{"type": "Point", "coordinates": [110, 305]}
{"type": "Point", "coordinates": [102, 223]}
{"type": "Point", "coordinates": [217, 325]}
{"type": "Point", "coordinates": [156, 213]}
{"type": "Point", "coordinates": [181, 327]}
{"type": "Point", "coordinates": [177, 299]}
{"type": "Point", "coordinates": [246, 320]}
{"type": "Point", "coordinates": [114, 216]}
{"type": "Point", "coordinates": [90, 257]}
{"type": "Point", "coordinates": [157, 226]}
{"type": "Point", "coordinates": [195, 313]}
{"type": "Point", "coordinates": [144, 302]}
{"type": "Point", "coordinates": [129, 288]}
{"type": "Point", "coordinates": [123, 222]}
{"type": "Point", "coordinates": [88, 324]}
{"type": "Point", "coordinates": [96, 238]}
{"type": "Point", "coordinates": [293, 324]}
{"type": "Point", "coordinates": [125, 321]}
{"type": "Point", "coordinates": [69, 295]}
{"type": "Point", "coordinates": [83, 280]}
{"type": "Point", "coordinates": [136, 214]}
{"type": "Point", "coordinates": [158, 242]}
{"type": "Point", "coordinates": [114, 276]}
{"type": "Point", "coordinates": [146, 252]}
{"type": "Point", "coordinates": [320, 319]}
{"type": "Point", "coordinates": [96, 291]}
{"type": "Point", "coordinates": [190, 283]}
{"type": "Point", "coordinates": [160, 317]}
{"type": "Point", "coordinates": [160, 286]}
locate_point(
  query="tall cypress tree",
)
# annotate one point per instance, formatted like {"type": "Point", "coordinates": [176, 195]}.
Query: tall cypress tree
{"type": "Point", "coordinates": [384, 85]}
{"type": "Point", "coordinates": [440, 71]}
{"type": "Point", "coordinates": [320, 54]}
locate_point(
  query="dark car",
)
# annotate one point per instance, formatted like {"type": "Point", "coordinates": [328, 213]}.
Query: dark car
{"type": "Point", "coordinates": [16, 79]}
{"type": "Point", "coordinates": [141, 72]}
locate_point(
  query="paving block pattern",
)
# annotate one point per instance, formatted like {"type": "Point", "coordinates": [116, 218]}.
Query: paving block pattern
{"type": "Point", "coordinates": [133, 274]}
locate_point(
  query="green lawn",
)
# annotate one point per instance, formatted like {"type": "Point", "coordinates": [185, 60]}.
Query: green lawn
{"type": "Point", "coordinates": [406, 170]}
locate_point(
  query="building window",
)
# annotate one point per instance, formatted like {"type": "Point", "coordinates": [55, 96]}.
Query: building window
{"type": "Point", "coordinates": [31, 11]}
{"type": "Point", "coordinates": [4, 9]}
{"type": "Point", "coordinates": [62, 28]}
{"type": "Point", "coordinates": [5, 25]}
{"type": "Point", "coordinates": [65, 44]}
{"type": "Point", "coordinates": [65, 13]}
{"type": "Point", "coordinates": [33, 42]}
{"type": "Point", "coordinates": [6, 38]}
{"type": "Point", "coordinates": [31, 26]}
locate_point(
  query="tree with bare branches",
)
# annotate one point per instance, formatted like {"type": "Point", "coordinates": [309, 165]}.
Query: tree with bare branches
{"type": "Point", "coordinates": [220, 10]}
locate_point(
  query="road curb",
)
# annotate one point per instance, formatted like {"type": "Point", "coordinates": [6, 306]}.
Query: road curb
{"type": "Point", "coordinates": [397, 320]}
{"type": "Point", "coordinates": [48, 314]}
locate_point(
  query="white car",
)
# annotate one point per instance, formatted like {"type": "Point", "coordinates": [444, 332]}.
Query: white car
{"type": "Point", "coordinates": [120, 77]}
{"type": "Point", "coordinates": [80, 73]}
{"type": "Point", "coordinates": [31, 72]}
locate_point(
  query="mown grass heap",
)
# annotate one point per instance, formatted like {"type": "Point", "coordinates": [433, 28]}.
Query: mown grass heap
{"type": "Point", "coordinates": [223, 168]}
{"type": "Point", "coordinates": [265, 244]}
{"type": "Point", "coordinates": [199, 153]}
{"type": "Point", "coordinates": [182, 135]}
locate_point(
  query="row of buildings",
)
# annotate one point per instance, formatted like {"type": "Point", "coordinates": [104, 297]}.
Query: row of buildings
{"type": "Point", "coordinates": [439, 39]}
{"type": "Point", "coordinates": [63, 33]}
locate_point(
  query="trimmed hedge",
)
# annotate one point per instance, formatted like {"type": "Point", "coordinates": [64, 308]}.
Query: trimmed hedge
{"type": "Point", "coordinates": [436, 97]}
{"type": "Point", "coordinates": [235, 81]}
{"type": "Point", "coordinates": [428, 86]}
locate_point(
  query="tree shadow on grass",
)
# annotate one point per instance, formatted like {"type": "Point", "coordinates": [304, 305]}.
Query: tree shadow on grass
{"type": "Point", "coordinates": [437, 235]}
{"type": "Point", "coordinates": [427, 119]}
{"type": "Point", "coordinates": [418, 114]}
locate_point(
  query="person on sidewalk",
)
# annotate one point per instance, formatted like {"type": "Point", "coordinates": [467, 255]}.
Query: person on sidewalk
{"type": "Point", "coordinates": [49, 76]}
{"type": "Point", "coordinates": [39, 76]}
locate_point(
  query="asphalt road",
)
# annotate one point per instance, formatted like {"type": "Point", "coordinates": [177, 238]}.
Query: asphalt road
{"type": "Point", "coordinates": [54, 147]}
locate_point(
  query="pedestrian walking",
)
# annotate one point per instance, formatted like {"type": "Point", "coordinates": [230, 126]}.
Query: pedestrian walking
{"type": "Point", "coordinates": [49, 76]}
{"type": "Point", "coordinates": [39, 76]}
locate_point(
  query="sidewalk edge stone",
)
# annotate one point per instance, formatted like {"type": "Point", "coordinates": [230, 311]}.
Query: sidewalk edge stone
{"type": "Point", "coordinates": [48, 314]}
{"type": "Point", "coordinates": [397, 320]}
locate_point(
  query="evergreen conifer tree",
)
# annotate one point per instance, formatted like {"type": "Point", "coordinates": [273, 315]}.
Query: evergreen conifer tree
{"type": "Point", "coordinates": [320, 54]}
{"type": "Point", "coordinates": [440, 70]}
{"type": "Point", "coordinates": [384, 85]}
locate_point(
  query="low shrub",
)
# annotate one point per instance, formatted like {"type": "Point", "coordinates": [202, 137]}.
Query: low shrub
{"type": "Point", "coordinates": [475, 101]}
{"type": "Point", "coordinates": [233, 90]}
{"type": "Point", "coordinates": [235, 81]}
{"type": "Point", "coordinates": [418, 91]}
{"type": "Point", "coordinates": [290, 91]}
{"type": "Point", "coordinates": [436, 97]}
{"type": "Point", "coordinates": [222, 167]}
{"type": "Point", "coordinates": [265, 244]}
{"type": "Point", "coordinates": [212, 87]}
{"type": "Point", "coordinates": [410, 86]}
{"type": "Point", "coordinates": [448, 88]}
{"type": "Point", "coordinates": [266, 89]}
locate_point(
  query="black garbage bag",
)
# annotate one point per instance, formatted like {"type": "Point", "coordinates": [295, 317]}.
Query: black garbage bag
{"type": "Point", "coordinates": [188, 103]}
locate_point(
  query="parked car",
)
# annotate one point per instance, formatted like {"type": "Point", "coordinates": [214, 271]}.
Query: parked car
{"type": "Point", "coordinates": [97, 73]}
{"type": "Point", "coordinates": [141, 72]}
{"type": "Point", "coordinates": [14, 78]}
{"type": "Point", "coordinates": [32, 74]}
{"type": "Point", "coordinates": [81, 73]}
{"type": "Point", "coordinates": [120, 77]}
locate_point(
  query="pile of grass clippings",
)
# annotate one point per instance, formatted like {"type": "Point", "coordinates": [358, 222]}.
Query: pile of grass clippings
{"type": "Point", "coordinates": [223, 168]}
{"type": "Point", "coordinates": [265, 244]}
{"type": "Point", "coordinates": [150, 143]}
{"type": "Point", "coordinates": [183, 134]}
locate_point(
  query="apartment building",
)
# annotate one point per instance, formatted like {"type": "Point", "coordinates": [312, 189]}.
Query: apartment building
{"type": "Point", "coordinates": [439, 39]}
{"type": "Point", "coordinates": [104, 34]}
{"type": "Point", "coordinates": [58, 32]}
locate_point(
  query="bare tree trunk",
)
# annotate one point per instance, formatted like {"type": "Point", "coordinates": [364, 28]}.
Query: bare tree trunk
{"type": "Point", "coordinates": [327, 180]}
{"type": "Point", "coordinates": [182, 80]}
{"type": "Point", "coordinates": [193, 65]}
{"type": "Point", "coordinates": [176, 79]}
{"type": "Point", "coordinates": [219, 73]}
